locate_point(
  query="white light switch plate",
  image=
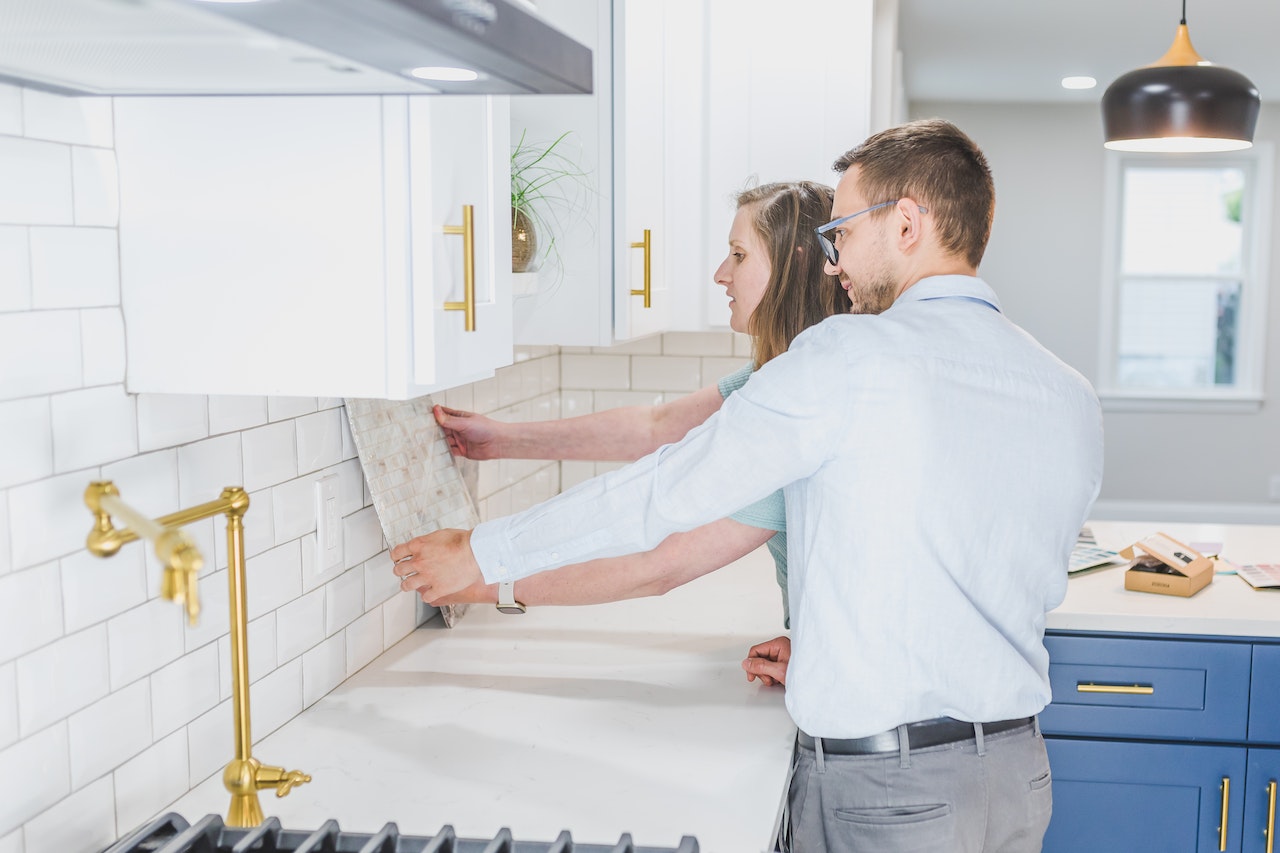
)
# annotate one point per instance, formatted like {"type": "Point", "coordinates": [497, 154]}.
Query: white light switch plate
{"type": "Point", "coordinates": [328, 525]}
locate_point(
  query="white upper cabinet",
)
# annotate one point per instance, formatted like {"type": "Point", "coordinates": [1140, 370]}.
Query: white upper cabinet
{"type": "Point", "coordinates": [315, 246]}
{"type": "Point", "coordinates": [695, 101]}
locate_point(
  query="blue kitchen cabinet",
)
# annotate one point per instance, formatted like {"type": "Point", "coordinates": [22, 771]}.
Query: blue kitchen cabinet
{"type": "Point", "coordinates": [1117, 797]}
{"type": "Point", "coordinates": [1155, 741]}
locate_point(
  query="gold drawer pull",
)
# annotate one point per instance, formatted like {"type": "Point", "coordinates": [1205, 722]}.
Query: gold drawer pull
{"type": "Point", "coordinates": [647, 290]}
{"type": "Point", "coordinates": [1270, 831]}
{"type": "Point", "coordinates": [1129, 689]}
{"type": "Point", "coordinates": [1226, 797]}
{"type": "Point", "coordinates": [468, 232]}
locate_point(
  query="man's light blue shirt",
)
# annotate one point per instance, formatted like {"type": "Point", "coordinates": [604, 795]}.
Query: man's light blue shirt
{"type": "Point", "coordinates": [938, 465]}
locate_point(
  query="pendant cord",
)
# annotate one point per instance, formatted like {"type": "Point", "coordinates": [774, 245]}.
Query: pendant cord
{"type": "Point", "coordinates": [1184, 13]}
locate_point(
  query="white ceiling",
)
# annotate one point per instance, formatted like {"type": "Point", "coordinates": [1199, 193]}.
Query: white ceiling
{"type": "Point", "coordinates": [1019, 50]}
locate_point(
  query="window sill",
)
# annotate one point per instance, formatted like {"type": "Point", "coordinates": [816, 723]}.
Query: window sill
{"type": "Point", "coordinates": [1129, 401]}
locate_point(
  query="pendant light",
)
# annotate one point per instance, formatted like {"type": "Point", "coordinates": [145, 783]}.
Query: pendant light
{"type": "Point", "coordinates": [1180, 103]}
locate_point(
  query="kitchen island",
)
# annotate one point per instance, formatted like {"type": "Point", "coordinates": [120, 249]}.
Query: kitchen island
{"type": "Point", "coordinates": [627, 717]}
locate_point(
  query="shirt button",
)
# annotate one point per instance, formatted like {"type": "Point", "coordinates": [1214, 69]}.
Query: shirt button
{"type": "Point", "coordinates": [555, 555]}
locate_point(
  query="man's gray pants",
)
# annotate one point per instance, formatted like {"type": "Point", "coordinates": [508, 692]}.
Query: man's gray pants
{"type": "Point", "coordinates": [989, 794]}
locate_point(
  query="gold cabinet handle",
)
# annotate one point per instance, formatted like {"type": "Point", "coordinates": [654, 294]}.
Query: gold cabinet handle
{"type": "Point", "coordinates": [1226, 798]}
{"type": "Point", "coordinates": [1270, 831]}
{"type": "Point", "coordinates": [647, 291]}
{"type": "Point", "coordinates": [468, 231]}
{"type": "Point", "coordinates": [1129, 689]}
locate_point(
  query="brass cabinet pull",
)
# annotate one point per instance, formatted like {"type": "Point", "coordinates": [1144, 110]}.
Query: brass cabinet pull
{"type": "Point", "coordinates": [647, 290]}
{"type": "Point", "coordinates": [1130, 689]}
{"type": "Point", "coordinates": [1226, 797]}
{"type": "Point", "coordinates": [468, 231]}
{"type": "Point", "coordinates": [1270, 831]}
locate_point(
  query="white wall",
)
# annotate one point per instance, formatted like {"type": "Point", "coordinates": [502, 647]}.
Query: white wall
{"type": "Point", "coordinates": [1045, 262]}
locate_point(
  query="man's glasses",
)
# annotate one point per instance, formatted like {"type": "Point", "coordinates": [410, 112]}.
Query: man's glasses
{"type": "Point", "coordinates": [829, 247]}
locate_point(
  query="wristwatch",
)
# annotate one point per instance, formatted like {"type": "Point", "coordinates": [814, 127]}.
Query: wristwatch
{"type": "Point", "coordinates": [507, 599]}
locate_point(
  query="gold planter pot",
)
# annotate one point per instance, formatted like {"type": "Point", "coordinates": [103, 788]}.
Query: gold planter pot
{"type": "Point", "coordinates": [524, 242]}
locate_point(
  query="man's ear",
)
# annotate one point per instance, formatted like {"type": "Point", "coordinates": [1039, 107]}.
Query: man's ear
{"type": "Point", "coordinates": [910, 220]}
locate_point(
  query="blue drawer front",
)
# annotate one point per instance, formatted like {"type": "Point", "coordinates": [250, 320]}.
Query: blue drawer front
{"type": "Point", "coordinates": [1125, 797]}
{"type": "Point", "coordinates": [1196, 690]}
{"type": "Point", "coordinates": [1264, 698]}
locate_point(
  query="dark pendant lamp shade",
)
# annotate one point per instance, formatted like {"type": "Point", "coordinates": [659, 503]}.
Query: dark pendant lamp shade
{"type": "Point", "coordinates": [1180, 103]}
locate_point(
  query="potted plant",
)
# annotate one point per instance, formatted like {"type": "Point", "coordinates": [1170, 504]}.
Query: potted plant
{"type": "Point", "coordinates": [546, 187]}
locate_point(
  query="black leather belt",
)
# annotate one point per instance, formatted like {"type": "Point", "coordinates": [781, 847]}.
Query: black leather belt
{"type": "Point", "coordinates": [936, 732]}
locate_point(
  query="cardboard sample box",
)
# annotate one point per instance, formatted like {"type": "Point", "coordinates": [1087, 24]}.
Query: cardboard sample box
{"type": "Point", "coordinates": [1163, 565]}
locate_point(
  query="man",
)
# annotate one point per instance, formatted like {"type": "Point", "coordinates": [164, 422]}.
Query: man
{"type": "Point", "coordinates": [938, 465]}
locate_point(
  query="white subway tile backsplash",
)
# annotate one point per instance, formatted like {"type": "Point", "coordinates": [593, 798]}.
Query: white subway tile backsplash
{"type": "Point", "coordinates": [380, 583]}
{"type": "Point", "coordinates": [293, 505]}
{"type": "Point", "coordinates": [364, 641]}
{"type": "Point", "coordinates": [484, 396]}
{"type": "Point", "coordinates": [344, 600]}
{"type": "Point", "coordinates": [650, 345]}
{"type": "Point", "coordinates": [93, 427]}
{"type": "Point", "coordinates": [15, 269]}
{"type": "Point", "coordinates": [229, 413]}
{"type": "Point", "coordinates": [300, 625]}
{"type": "Point", "coordinates": [698, 343]}
{"type": "Point", "coordinates": [362, 536]}
{"type": "Point", "coordinates": [742, 345]}
{"type": "Point", "coordinates": [666, 373]}
{"type": "Point", "coordinates": [6, 551]}
{"type": "Point", "coordinates": [549, 374]}
{"type": "Point", "coordinates": [30, 610]}
{"type": "Point", "coordinates": [614, 399]}
{"type": "Point", "coordinates": [270, 456]}
{"type": "Point", "coordinates": [574, 403]}
{"type": "Point", "coordinates": [319, 440]}
{"type": "Point", "coordinates": [24, 794]}
{"type": "Point", "coordinates": [48, 519]}
{"type": "Point", "coordinates": [95, 589]}
{"type": "Point", "coordinates": [348, 442]}
{"type": "Point", "coordinates": [79, 121]}
{"type": "Point", "coordinates": [399, 617]}
{"type": "Point", "coordinates": [84, 822]}
{"type": "Point", "coordinates": [323, 668]}
{"type": "Point", "coordinates": [715, 369]}
{"type": "Point", "coordinates": [36, 177]}
{"type": "Point", "coordinates": [45, 345]}
{"type": "Point", "coordinates": [110, 732]}
{"type": "Point", "coordinates": [572, 473]}
{"type": "Point", "coordinates": [280, 408]}
{"type": "Point", "coordinates": [74, 268]}
{"type": "Point", "coordinates": [10, 110]}
{"type": "Point", "coordinates": [274, 578]}
{"type": "Point", "coordinates": [96, 187]}
{"type": "Point", "coordinates": [207, 467]}
{"type": "Point", "coordinates": [61, 678]}
{"type": "Point", "coordinates": [26, 453]}
{"type": "Point", "coordinates": [148, 783]}
{"type": "Point", "coordinates": [183, 690]}
{"type": "Point", "coordinates": [209, 743]}
{"type": "Point", "coordinates": [350, 486]}
{"type": "Point", "coordinates": [460, 397]}
{"type": "Point", "coordinates": [102, 342]}
{"type": "Point", "coordinates": [611, 372]}
{"type": "Point", "coordinates": [167, 420]}
{"type": "Point", "coordinates": [148, 483]}
{"type": "Point", "coordinates": [8, 704]}
{"type": "Point", "coordinates": [144, 639]}
{"type": "Point", "coordinates": [277, 698]}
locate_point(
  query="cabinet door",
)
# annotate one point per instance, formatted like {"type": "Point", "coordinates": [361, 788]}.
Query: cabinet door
{"type": "Point", "coordinates": [1260, 794]}
{"type": "Point", "coordinates": [458, 160]}
{"type": "Point", "coordinates": [1264, 695]}
{"type": "Point", "coordinates": [1113, 797]}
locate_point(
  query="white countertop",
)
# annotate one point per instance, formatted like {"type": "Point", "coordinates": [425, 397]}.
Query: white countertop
{"type": "Point", "coordinates": [1097, 600]}
{"type": "Point", "coordinates": [628, 717]}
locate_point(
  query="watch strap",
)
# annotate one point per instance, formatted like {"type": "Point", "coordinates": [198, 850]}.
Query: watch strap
{"type": "Point", "coordinates": [507, 599]}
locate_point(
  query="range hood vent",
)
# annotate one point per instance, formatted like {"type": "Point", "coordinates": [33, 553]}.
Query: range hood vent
{"type": "Point", "coordinates": [285, 47]}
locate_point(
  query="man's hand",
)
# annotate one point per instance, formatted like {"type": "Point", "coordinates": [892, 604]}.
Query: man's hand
{"type": "Point", "coordinates": [767, 661]}
{"type": "Point", "coordinates": [468, 434]}
{"type": "Point", "coordinates": [436, 565]}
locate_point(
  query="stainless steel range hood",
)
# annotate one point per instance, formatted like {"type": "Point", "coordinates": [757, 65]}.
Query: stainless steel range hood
{"type": "Point", "coordinates": [276, 47]}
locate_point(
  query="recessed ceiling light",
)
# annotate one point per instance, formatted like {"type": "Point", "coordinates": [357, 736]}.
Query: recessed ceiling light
{"type": "Point", "coordinates": [444, 73]}
{"type": "Point", "coordinates": [1078, 82]}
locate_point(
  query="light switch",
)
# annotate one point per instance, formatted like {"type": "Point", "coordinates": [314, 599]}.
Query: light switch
{"type": "Point", "coordinates": [328, 525]}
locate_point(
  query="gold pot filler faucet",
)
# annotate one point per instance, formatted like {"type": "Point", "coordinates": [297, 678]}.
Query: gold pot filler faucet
{"type": "Point", "coordinates": [244, 775]}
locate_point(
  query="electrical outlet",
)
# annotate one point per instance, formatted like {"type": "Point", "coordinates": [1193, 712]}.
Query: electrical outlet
{"type": "Point", "coordinates": [328, 525]}
{"type": "Point", "coordinates": [1273, 490]}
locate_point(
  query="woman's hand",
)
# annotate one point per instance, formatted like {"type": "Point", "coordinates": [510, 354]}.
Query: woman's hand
{"type": "Point", "coordinates": [468, 434]}
{"type": "Point", "coordinates": [767, 661]}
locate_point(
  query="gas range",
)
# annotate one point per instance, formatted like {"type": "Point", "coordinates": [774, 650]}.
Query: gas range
{"type": "Point", "coordinates": [171, 833]}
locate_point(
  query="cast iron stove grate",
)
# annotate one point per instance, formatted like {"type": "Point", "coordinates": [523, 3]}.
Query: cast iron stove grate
{"type": "Point", "coordinates": [171, 833]}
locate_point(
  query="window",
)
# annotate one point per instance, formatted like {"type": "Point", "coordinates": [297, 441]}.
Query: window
{"type": "Point", "coordinates": [1184, 278]}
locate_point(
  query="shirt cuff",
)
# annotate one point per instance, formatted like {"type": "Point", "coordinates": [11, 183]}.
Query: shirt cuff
{"type": "Point", "coordinates": [490, 544]}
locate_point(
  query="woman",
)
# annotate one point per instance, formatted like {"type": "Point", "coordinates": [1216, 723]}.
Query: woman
{"type": "Point", "coordinates": [773, 276]}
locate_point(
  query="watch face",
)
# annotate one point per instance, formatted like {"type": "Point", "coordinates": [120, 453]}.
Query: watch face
{"type": "Point", "coordinates": [517, 607]}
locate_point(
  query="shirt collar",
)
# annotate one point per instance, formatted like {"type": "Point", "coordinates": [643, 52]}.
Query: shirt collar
{"type": "Point", "coordinates": [950, 287]}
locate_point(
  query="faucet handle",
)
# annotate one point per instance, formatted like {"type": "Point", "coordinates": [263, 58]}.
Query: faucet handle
{"type": "Point", "coordinates": [293, 777]}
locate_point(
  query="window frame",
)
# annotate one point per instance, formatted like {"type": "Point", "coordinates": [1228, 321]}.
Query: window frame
{"type": "Point", "coordinates": [1246, 394]}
